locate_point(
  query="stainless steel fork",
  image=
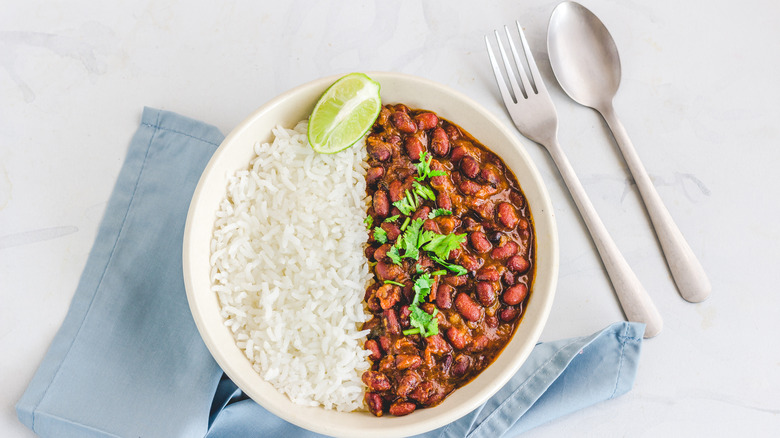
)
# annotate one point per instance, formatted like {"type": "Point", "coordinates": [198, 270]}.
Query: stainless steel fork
{"type": "Point", "coordinates": [534, 115]}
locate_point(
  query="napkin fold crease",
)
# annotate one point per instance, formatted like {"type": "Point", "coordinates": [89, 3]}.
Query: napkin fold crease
{"type": "Point", "coordinates": [128, 360]}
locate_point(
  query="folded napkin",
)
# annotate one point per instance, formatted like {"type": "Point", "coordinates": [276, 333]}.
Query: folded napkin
{"type": "Point", "coordinates": [128, 360]}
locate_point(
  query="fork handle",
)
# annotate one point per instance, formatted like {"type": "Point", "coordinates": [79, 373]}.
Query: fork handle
{"type": "Point", "coordinates": [688, 274]}
{"type": "Point", "coordinates": [633, 297]}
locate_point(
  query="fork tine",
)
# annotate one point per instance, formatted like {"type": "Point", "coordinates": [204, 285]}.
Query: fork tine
{"type": "Point", "coordinates": [519, 92]}
{"type": "Point", "coordinates": [508, 101]}
{"type": "Point", "coordinates": [519, 62]}
{"type": "Point", "coordinates": [537, 77]}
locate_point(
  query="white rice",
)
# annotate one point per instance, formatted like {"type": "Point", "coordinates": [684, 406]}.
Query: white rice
{"type": "Point", "coordinates": [288, 266]}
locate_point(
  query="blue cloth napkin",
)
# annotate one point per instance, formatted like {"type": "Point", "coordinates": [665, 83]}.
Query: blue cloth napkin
{"type": "Point", "coordinates": [128, 360]}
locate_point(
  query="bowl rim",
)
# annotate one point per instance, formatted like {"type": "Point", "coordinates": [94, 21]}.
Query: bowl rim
{"type": "Point", "coordinates": [541, 211]}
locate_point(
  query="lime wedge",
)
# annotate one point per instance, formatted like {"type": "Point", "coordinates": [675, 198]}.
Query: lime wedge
{"type": "Point", "coordinates": [344, 113]}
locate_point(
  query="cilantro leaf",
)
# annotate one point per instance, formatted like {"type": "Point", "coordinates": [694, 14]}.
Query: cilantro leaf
{"type": "Point", "coordinates": [441, 245]}
{"type": "Point", "coordinates": [369, 221]}
{"type": "Point", "coordinates": [394, 282]}
{"type": "Point", "coordinates": [424, 168]}
{"type": "Point", "coordinates": [411, 237]}
{"type": "Point", "coordinates": [439, 212]}
{"type": "Point", "coordinates": [392, 218]}
{"type": "Point", "coordinates": [380, 235]}
{"type": "Point", "coordinates": [425, 192]}
{"type": "Point", "coordinates": [394, 255]}
{"type": "Point", "coordinates": [458, 269]}
{"type": "Point", "coordinates": [408, 204]}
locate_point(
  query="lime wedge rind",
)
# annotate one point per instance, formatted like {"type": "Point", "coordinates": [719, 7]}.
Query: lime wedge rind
{"type": "Point", "coordinates": [344, 113]}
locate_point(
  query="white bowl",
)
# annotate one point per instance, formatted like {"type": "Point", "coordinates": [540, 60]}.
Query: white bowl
{"type": "Point", "coordinates": [291, 107]}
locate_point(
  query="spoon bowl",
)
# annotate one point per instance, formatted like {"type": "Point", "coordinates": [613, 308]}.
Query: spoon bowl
{"type": "Point", "coordinates": [587, 67]}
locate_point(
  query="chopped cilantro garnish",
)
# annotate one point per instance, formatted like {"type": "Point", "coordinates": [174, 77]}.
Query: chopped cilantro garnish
{"type": "Point", "coordinates": [394, 282]}
{"type": "Point", "coordinates": [425, 192]}
{"type": "Point", "coordinates": [439, 212]}
{"type": "Point", "coordinates": [380, 235]}
{"type": "Point", "coordinates": [458, 269]}
{"type": "Point", "coordinates": [424, 168]}
{"type": "Point", "coordinates": [394, 255]}
{"type": "Point", "coordinates": [406, 222]}
{"type": "Point", "coordinates": [369, 221]}
{"type": "Point", "coordinates": [425, 323]}
{"type": "Point", "coordinates": [439, 272]}
{"type": "Point", "coordinates": [408, 204]}
{"type": "Point", "coordinates": [392, 218]}
{"type": "Point", "coordinates": [411, 237]}
{"type": "Point", "coordinates": [441, 244]}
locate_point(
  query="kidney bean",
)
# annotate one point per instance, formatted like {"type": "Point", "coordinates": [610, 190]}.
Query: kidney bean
{"type": "Point", "coordinates": [403, 316]}
{"type": "Point", "coordinates": [414, 147]}
{"type": "Point", "coordinates": [375, 403]}
{"type": "Point", "coordinates": [381, 252]}
{"type": "Point", "coordinates": [438, 345]}
{"type": "Point", "coordinates": [488, 273]}
{"type": "Point", "coordinates": [443, 200]}
{"type": "Point", "coordinates": [458, 337]}
{"type": "Point", "coordinates": [469, 166]}
{"type": "Point", "coordinates": [391, 322]}
{"type": "Point", "coordinates": [517, 199]}
{"type": "Point", "coordinates": [453, 133]}
{"type": "Point", "coordinates": [494, 236]}
{"type": "Point", "coordinates": [468, 307]}
{"type": "Point", "coordinates": [403, 122]}
{"type": "Point", "coordinates": [400, 107]}
{"type": "Point", "coordinates": [426, 121]}
{"type": "Point", "coordinates": [369, 252]}
{"type": "Point", "coordinates": [373, 304]}
{"type": "Point", "coordinates": [480, 343]}
{"type": "Point", "coordinates": [378, 149]}
{"type": "Point", "coordinates": [384, 342]}
{"type": "Point", "coordinates": [515, 294]}
{"type": "Point", "coordinates": [457, 154]}
{"type": "Point", "coordinates": [374, 174]}
{"type": "Point", "coordinates": [507, 215]}
{"type": "Point", "coordinates": [389, 295]}
{"type": "Point", "coordinates": [454, 254]}
{"type": "Point", "coordinates": [396, 191]}
{"type": "Point", "coordinates": [380, 203]}
{"type": "Point", "coordinates": [522, 224]}
{"type": "Point", "coordinates": [373, 347]}
{"type": "Point", "coordinates": [486, 293]}
{"type": "Point", "coordinates": [491, 321]}
{"type": "Point", "coordinates": [422, 213]}
{"type": "Point", "coordinates": [483, 208]}
{"type": "Point", "coordinates": [460, 365]}
{"type": "Point", "coordinates": [387, 364]}
{"type": "Point", "coordinates": [431, 225]}
{"type": "Point", "coordinates": [387, 271]}
{"type": "Point", "coordinates": [470, 262]}
{"type": "Point", "coordinates": [426, 393]}
{"type": "Point", "coordinates": [407, 383]}
{"type": "Point", "coordinates": [479, 242]}
{"type": "Point", "coordinates": [376, 381]}
{"type": "Point", "coordinates": [508, 314]}
{"type": "Point", "coordinates": [456, 280]}
{"type": "Point", "coordinates": [444, 296]}
{"type": "Point", "coordinates": [508, 278]}
{"type": "Point", "coordinates": [505, 251]}
{"type": "Point", "coordinates": [490, 175]}
{"type": "Point", "coordinates": [392, 230]}
{"type": "Point", "coordinates": [440, 144]}
{"type": "Point", "coordinates": [406, 361]}
{"type": "Point", "coordinates": [401, 408]}
{"type": "Point", "coordinates": [469, 187]}
{"type": "Point", "coordinates": [518, 264]}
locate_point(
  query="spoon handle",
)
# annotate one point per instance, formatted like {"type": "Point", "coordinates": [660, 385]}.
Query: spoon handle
{"type": "Point", "coordinates": [692, 281]}
{"type": "Point", "coordinates": [633, 297]}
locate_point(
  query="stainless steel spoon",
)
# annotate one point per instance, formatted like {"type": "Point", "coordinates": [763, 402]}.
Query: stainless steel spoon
{"type": "Point", "coordinates": [585, 61]}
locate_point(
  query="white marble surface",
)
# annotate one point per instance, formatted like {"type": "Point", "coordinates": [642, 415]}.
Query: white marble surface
{"type": "Point", "coordinates": [698, 97]}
